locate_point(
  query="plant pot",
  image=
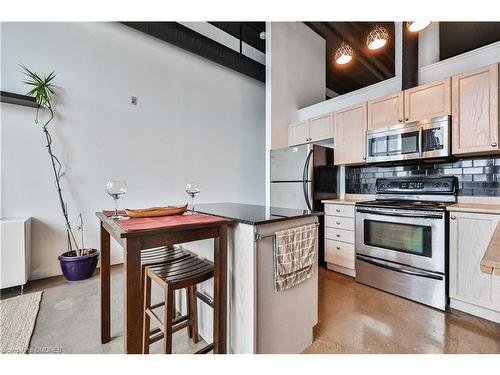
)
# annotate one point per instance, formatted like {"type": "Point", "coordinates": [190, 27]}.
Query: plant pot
{"type": "Point", "coordinates": [77, 268]}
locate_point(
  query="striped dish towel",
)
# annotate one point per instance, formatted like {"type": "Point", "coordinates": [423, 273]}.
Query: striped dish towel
{"type": "Point", "coordinates": [294, 256]}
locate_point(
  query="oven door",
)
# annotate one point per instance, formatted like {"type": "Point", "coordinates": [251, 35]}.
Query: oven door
{"type": "Point", "coordinates": [410, 237]}
{"type": "Point", "coordinates": [400, 142]}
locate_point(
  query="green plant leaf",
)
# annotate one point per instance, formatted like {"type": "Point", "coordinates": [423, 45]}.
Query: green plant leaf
{"type": "Point", "coordinates": [42, 88]}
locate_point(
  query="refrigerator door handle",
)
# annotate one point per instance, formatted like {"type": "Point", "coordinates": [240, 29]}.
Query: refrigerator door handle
{"type": "Point", "coordinates": [305, 175]}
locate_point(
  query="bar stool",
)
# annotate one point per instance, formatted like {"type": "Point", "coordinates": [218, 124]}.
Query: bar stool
{"type": "Point", "coordinates": [183, 273]}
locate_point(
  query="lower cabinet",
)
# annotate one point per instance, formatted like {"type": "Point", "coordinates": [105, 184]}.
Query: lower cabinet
{"type": "Point", "coordinates": [339, 238]}
{"type": "Point", "coordinates": [471, 290]}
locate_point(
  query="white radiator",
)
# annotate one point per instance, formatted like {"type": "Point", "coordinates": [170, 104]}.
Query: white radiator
{"type": "Point", "coordinates": [15, 251]}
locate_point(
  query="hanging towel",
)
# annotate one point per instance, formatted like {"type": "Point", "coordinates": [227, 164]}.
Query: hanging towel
{"type": "Point", "coordinates": [294, 256]}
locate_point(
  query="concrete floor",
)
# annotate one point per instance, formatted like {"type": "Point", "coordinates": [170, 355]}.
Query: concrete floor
{"type": "Point", "coordinates": [68, 320]}
{"type": "Point", "coordinates": [354, 318]}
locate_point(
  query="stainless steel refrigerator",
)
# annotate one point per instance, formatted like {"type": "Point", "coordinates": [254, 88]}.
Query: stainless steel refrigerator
{"type": "Point", "coordinates": [301, 177]}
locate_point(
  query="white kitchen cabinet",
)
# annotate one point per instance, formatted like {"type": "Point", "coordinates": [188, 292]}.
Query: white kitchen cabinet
{"type": "Point", "coordinates": [298, 133]}
{"type": "Point", "coordinates": [427, 101]}
{"type": "Point", "coordinates": [475, 111]}
{"type": "Point", "coordinates": [312, 130]}
{"type": "Point", "coordinates": [350, 135]}
{"type": "Point", "coordinates": [339, 238]}
{"type": "Point", "coordinates": [471, 290]}
{"type": "Point", "coordinates": [321, 127]}
{"type": "Point", "coordinates": [386, 111]}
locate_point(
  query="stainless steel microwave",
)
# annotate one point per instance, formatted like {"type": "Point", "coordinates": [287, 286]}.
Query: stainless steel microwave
{"type": "Point", "coordinates": [415, 140]}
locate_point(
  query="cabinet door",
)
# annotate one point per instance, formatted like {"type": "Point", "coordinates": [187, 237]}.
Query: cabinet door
{"type": "Point", "coordinates": [298, 133]}
{"type": "Point", "coordinates": [470, 235]}
{"type": "Point", "coordinates": [350, 135]}
{"type": "Point", "coordinates": [321, 127]}
{"type": "Point", "coordinates": [385, 111]}
{"type": "Point", "coordinates": [427, 101]}
{"type": "Point", "coordinates": [475, 111]}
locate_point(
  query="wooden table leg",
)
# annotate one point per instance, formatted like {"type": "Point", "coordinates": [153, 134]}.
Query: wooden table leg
{"type": "Point", "coordinates": [220, 291]}
{"type": "Point", "coordinates": [133, 297]}
{"type": "Point", "coordinates": [105, 287]}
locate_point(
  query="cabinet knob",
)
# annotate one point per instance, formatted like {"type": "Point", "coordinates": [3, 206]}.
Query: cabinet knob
{"type": "Point", "coordinates": [406, 118]}
{"type": "Point", "coordinates": [338, 235]}
{"type": "Point", "coordinates": [338, 247]}
{"type": "Point", "coordinates": [453, 217]}
{"type": "Point", "coordinates": [494, 144]}
{"type": "Point", "coordinates": [337, 210]}
{"type": "Point", "coordinates": [338, 223]}
{"type": "Point", "coordinates": [400, 120]}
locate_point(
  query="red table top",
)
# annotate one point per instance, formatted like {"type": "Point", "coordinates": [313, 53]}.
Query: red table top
{"type": "Point", "coordinates": [163, 222]}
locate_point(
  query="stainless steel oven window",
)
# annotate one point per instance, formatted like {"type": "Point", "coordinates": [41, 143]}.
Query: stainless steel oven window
{"type": "Point", "coordinates": [406, 238]}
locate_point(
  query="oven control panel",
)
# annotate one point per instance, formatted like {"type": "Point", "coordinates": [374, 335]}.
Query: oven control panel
{"type": "Point", "coordinates": [422, 185]}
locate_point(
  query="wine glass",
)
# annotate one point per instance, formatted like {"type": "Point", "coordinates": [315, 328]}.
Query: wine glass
{"type": "Point", "coordinates": [116, 188]}
{"type": "Point", "coordinates": [192, 189]}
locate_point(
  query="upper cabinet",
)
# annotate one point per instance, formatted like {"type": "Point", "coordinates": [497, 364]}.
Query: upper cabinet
{"type": "Point", "coordinates": [298, 133]}
{"type": "Point", "coordinates": [315, 129]}
{"type": "Point", "coordinates": [385, 111]}
{"type": "Point", "coordinates": [428, 101]}
{"type": "Point", "coordinates": [475, 111]}
{"type": "Point", "coordinates": [321, 127]}
{"type": "Point", "coordinates": [350, 135]}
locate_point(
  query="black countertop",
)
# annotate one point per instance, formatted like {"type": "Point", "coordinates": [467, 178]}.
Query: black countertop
{"type": "Point", "coordinates": [252, 214]}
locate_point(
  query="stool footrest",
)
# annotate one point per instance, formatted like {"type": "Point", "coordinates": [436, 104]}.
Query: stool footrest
{"type": "Point", "coordinates": [205, 349]}
{"type": "Point", "coordinates": [205, 298]}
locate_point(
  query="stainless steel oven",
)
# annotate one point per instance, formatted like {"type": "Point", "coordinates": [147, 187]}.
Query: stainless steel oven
{"type": "Point", "coordinates": [400, 238]}
{"type": "Point", "coordinates": [416, 140]}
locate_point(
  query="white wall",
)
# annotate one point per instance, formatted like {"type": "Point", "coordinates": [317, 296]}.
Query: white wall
{"type": "Point", "coordinates": [295, 75]}
{"type": "Point", "coordinates": [295, 78]}
{"type": "Point", "coordinates": [195, 120]}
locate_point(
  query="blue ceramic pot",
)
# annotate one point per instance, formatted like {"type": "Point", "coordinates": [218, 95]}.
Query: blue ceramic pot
{"type": "Point", "coordinates": [77, 268]}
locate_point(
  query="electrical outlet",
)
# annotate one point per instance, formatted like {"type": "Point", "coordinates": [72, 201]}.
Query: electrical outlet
{"type": "Point", "coordinates": [133, 100]}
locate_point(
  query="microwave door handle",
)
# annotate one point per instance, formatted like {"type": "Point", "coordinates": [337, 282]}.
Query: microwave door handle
{"type": "Point", "coordinates": [398, 269]}
{"type": "Point", "coordinates": [420, 141]}
{"type": "Point", "coordinates": [400, 214]}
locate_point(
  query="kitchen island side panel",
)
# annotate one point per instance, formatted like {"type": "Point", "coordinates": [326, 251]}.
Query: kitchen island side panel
{"type": "Point", "coordinates": [285, 319]}
{"type": "Point", "coordinates": [241, 285]}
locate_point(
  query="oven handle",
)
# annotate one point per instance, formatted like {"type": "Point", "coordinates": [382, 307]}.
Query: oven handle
{"type": "Point", "coordinates": [398, 269]}
{"type": "Point", "coordinates": [399, 214]}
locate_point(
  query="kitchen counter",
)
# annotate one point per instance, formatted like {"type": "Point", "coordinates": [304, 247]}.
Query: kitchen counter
{"type": "Point", "coordinates": [253, 214]}
{"type": "Point", "coordinates": [350, 199]}
{"type": "Point", "coordinates": [475, 207]}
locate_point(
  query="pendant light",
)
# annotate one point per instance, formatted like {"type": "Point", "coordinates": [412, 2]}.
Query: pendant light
{"type": "Point", "coordinates": [416, 26]}
{"type": "Point", "coordinates": [377, 38]}
{"type": "Point", "coordinates": [344, 53]}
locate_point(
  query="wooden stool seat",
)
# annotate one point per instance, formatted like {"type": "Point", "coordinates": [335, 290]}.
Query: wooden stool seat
{"type": "Point", "coordinates": [161, 255]}
{"type": "Point", "coordinates": [184, 270]}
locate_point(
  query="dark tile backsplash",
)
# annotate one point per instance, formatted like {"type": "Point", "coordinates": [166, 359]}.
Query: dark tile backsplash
{"type": "Point", "coordinates": [476, 176]}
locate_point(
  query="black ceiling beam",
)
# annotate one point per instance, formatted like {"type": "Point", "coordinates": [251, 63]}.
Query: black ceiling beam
{"type": "Point", "coordinates": [248, 32]}
{"type": "Point", "coordinates": [409, 64]}
{"type": "Point", "coordinates": [185, 38]}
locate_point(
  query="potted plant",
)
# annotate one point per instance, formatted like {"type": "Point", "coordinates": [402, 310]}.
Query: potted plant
{"type": "Point", "coordinates": [78, 262]}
